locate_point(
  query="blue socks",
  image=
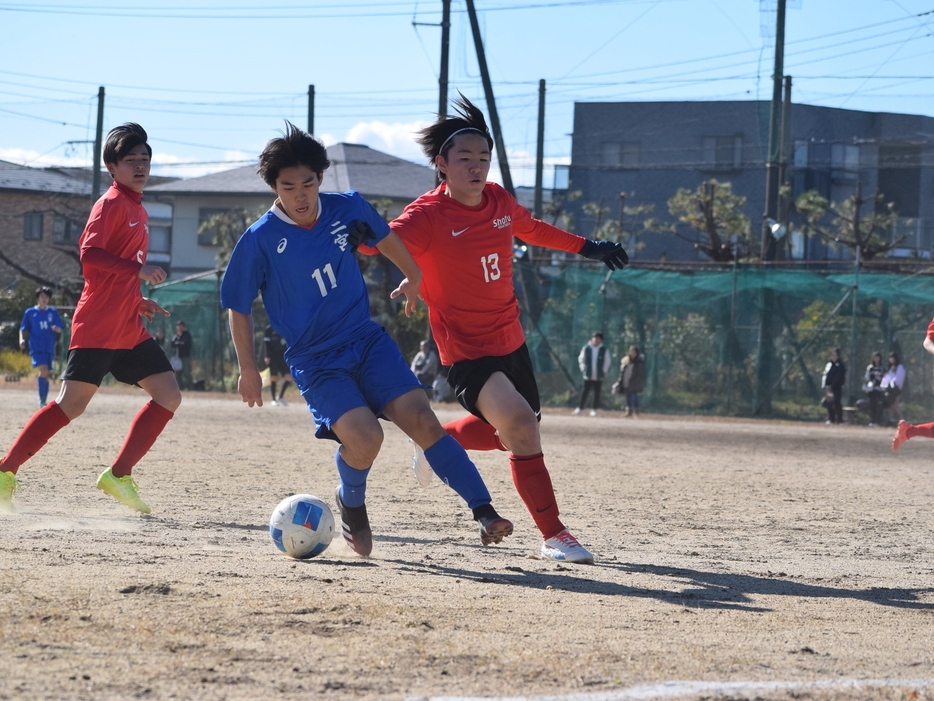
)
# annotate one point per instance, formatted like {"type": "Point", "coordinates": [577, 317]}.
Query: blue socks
{"type": "Point", "coordinates": [43, 389]}
{"type": "Point", "coordinates": [450, 462]}
{"type": "Point", "coordinates": [353, 482]}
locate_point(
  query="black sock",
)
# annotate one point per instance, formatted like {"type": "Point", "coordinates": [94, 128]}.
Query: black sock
{"type": "Point", "coordinates": [484, 514]}
{"type": "Point", "coordinates": [272, 389]}
{"type": "Point", "coordinates": [285, 386]}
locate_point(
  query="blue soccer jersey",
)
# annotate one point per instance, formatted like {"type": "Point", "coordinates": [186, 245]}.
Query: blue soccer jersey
{"type": "Point", "coordinates": [311, 284]}
{"type": "Point", "coordinates": [38, 323]}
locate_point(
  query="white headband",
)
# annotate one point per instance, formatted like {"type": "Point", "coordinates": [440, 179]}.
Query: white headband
{"type": "Point", "coordinates": [479, 131]}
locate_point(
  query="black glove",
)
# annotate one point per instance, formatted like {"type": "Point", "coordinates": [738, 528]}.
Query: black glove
{"type": "Point", "coordinates": [611, 253]}
{"type": "Point", "coordinates": [359, 233]}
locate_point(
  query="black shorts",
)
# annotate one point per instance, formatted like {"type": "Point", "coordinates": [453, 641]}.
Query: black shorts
{"type": "Point", "coordinates": [468, 377]}
{"type": "Point", "coordinates": [278, 367]}
{"type": "Point", "coordinates": [127, 365]}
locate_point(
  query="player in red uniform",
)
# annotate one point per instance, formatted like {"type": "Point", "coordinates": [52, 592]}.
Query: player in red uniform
{"type": "Point", "coordinates": [906, 430]}
{"type": "Point", "coordinates": [461, 235]}
{"type": "Point", "coordinates": [107, 331]}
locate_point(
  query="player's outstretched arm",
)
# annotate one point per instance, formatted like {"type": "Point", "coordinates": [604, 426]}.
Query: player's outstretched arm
{"type": "Point", "coordinates": [393, 248]}
{"type": "Point", "coordinates": [250, 384]}
{"type": "Point", "coordinates": [612, 254]}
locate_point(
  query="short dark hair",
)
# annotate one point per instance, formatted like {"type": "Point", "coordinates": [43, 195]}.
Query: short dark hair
{"type": "Point", "coordinates": [47, 291]}
{"type": "Point", "coordinates": [597, 334]}
{"type": "Point", "coordinates": [123, 139]}
{"type": "Point", "coordinates": [436, 139]}
{"type": "Point", "coordinates": [181, 323]}
{"type": "Point", "coordinates": [294, 148]}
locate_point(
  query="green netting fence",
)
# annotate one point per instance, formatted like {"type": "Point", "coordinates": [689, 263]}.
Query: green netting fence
{"type": "Point", "coordinates": [738, 341]}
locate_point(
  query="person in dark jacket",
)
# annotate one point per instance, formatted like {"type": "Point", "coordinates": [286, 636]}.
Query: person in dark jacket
{"type": "Point", "coordinates": [631, 380]}
{"type": "Point", "coordinates": [832, 382]}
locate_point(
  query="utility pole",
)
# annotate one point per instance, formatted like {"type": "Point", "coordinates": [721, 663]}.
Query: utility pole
{"type": "Point", "coordinates": [784, 166]}
{"type": "Point", "coordinates": [311, 109]}
{"type": "Point", "coordinates": [98, 147]}
{"type": "Point", "coordinates": [765, 352]}
{"type": "Point", "coordinates": [445, 50]}
{"type": "Point", "coordinates": [772, 165]}
{"type": "Point", "coordinates": [490, 100]}
{"type": "Point", "coordinates": [540, 152]}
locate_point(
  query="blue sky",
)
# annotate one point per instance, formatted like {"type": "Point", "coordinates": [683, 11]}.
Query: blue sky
{"type": "Point", "coordinates": [212, 81]}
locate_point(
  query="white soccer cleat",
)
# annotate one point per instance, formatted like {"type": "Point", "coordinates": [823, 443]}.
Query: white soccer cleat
{"type": "Point", "coordinates": [565, 548]}
{"type": "Point", "coordinates": [282, 402]}
{"type": "Point", "coordinates": [423, 471]}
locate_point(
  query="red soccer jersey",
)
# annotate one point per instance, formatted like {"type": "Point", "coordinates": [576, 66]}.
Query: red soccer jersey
{"type": "Point", "coordinates": [465, 254]}
{"type": "Point", "coordinates": [113, 249]}
{"type": "Point", "coordinates": [930, 333]}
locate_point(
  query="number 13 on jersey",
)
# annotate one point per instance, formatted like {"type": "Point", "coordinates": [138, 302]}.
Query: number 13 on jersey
{"type": "Point", "coordinates": [490, 265]}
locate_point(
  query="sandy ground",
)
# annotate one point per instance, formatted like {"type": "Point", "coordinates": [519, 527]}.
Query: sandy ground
{"type": "Point", "coordinates": [735, 559]}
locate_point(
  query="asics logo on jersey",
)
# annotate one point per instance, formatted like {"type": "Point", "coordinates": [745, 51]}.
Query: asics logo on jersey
{"type": "Point", "coordinates": [139, 256]}
{"type": "Point", "coordinates": [458, 233]}
{"type": "Point", "coordinates": [502, 222]}
{"type": "Point", "coordinates": [339, 232]}
{"type": "Point", "coordinates": [281, 247]}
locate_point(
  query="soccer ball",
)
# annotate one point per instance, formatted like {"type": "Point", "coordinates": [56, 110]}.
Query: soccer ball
{"type": "Point", "coordinates": [302, 526]}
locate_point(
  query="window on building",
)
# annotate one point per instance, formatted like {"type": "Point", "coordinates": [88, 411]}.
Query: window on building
{"type": "Point", "coordinates": [722, 152]}
{"type": "Point", "coordinates": [64, 230]}
{"type": "Point", "coordinates": [160, 238]}
{"type": "Point", "coordinates": [620, 154]}
{"type": "Point", "coordinates": [844, 162]}
{"type": "Point", "coordinates": [32, 226]}
{"type": "Point", "coordinates": [204, 214]}
{"type": "Point", "coordinates": [800, 159]}
{"type": "Point", "coordinates": [611, 154]}
{"type": "Point", "coordinates": [562, 177]}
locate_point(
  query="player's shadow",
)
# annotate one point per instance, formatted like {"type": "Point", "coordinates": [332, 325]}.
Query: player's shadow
{"type": "Point", "coordinates": [686, 587]}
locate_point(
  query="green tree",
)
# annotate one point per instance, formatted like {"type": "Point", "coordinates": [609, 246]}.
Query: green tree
{"type": "Point", "coordinates": [872, 234]}
{"type": "Point", "coordinates": [226, 228]}
{"type": "Point", "coordinates": [721, 230]}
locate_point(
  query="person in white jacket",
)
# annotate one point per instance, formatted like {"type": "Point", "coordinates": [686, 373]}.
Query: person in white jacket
{"type": "Point", "coordinates": [594, 361]}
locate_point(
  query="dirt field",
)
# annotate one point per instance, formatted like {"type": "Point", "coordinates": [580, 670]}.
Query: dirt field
{"type": "Point", "coordinates": [735, 559]}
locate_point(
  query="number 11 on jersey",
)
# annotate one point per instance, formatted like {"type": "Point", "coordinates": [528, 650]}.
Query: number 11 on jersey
{"type": "Point", "coordinates": [319, 278]}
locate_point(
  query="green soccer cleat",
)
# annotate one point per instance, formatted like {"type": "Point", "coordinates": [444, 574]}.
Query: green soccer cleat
{"type": "Point", "coordinates": [123, 489]}
{"type": "Point", "coordinates": [8, 485]}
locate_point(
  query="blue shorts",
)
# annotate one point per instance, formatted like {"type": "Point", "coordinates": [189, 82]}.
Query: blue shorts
{"type": "Point", "coordinates": [368, 372]}
{"type": "Point", "coordinates": [41, 359]}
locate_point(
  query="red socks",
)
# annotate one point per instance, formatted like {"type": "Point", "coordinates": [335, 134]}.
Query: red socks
{"type": "Point", "coordinates": [922, 430]}
{"type": "Point", "coordinates": [474, 433]}
{"type": "Point", "coordinates": [44, 424]}
{"type": "Point", "coordinates": [533, 483]}
{"type": "Point", "coordinates": [145, 429]}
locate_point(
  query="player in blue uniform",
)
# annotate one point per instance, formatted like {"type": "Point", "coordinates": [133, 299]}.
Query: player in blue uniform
{"type": "Point", "coordinates": [39, 330]}
{"type": "Point", "coordinates": [299, 256]}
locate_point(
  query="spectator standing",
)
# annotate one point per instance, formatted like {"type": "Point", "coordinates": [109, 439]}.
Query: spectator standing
{"type": "Point", "coordinates": [161, 340]}
{"type": "Point", "coordinates": [425, 364]}
{"type": "Point", "coordinates": [39, 332]}
{"type": "Point", "coordinates": [893, 382]}
{"type": "Point", "coordinates": [594, 362]}
{"type": "Point", "coordinates": [182, 345]}
{"type": "Point", "coordinates": [631, 380]}
{"type": "Point", "coordinates": [832, 382]}
{"type": "Point", "coordinates": [274, 347]}
{"type": "Point", "coordinates": [872, 385]}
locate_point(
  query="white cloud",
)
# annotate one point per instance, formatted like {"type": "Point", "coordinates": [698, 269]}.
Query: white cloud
{"type": "Point", "coordinates": [34, 159]}
{"type": "Point", "coordinates": [397, 139]}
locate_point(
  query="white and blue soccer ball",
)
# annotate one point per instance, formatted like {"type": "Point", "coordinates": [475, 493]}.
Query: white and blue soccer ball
{"type": "Point", "coordinates": [302, 526]}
